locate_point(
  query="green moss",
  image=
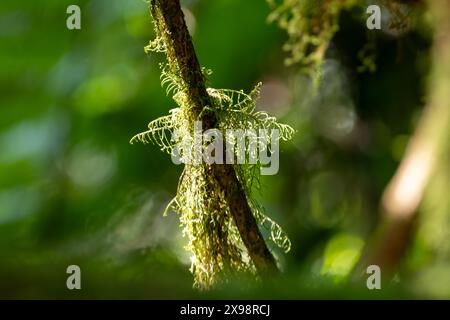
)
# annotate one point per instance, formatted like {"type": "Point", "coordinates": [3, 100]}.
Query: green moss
{"type": "Point", "coordinates": [206, 220]}
{"type": "Point", "coordinates": [310, 26]}
{"type": "Point", "coordinates": [217, 249]}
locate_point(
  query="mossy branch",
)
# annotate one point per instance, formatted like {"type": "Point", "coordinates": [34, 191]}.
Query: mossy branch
{"type": "Point", "coordinates": [174, 39]}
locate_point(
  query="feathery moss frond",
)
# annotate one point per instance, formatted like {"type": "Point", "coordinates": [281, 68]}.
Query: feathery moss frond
{"type": "Point", "coordinates": [159, 133]}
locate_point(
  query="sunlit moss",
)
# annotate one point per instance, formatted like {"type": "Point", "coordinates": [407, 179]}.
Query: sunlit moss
{"type": "Point", "coordinates": [213, 238]}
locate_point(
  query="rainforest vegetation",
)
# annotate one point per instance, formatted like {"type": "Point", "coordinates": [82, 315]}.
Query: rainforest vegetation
{"type": "Point", "coordinates": [91, 116]}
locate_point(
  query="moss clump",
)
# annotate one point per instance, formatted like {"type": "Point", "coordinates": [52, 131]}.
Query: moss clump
{"type": "Point", "coordinates": [207, 215]}
{"type": "Point", "coordinates": [213, 238]}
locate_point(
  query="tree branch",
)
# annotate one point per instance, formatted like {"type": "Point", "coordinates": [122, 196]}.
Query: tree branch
{"type": "Point", "coordinates": [171, 27]}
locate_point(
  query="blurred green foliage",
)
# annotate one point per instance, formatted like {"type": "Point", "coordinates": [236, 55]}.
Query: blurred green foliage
{"type": "Point", "coordinates": [74, 191]}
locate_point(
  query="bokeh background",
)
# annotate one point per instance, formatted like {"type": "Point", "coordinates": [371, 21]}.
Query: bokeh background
{"type": "Point", "coordinates": [74, 191]}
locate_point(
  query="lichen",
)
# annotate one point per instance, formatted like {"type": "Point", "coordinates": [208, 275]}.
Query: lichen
{"type": "Point", "coordinates": [213, 238]}
{"type": "Point", "coordinates": [310, 26]}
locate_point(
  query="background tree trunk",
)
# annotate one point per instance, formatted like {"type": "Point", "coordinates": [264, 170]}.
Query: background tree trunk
{"type": "Point", "coordinates": [427, 148]}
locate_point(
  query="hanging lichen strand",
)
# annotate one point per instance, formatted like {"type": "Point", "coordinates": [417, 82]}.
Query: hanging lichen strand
{"type": "Point", "coordinates": [217, 214]}
{"type": "Point", "coordinates": [310, 26]}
